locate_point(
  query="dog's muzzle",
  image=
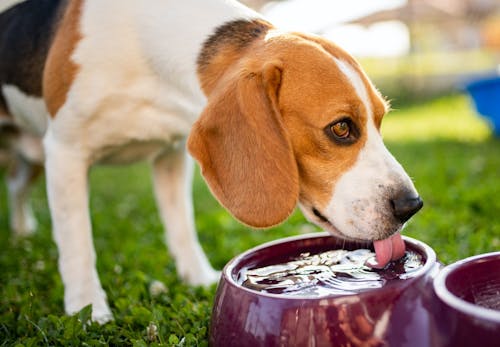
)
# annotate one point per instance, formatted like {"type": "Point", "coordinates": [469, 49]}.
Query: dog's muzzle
{"type": "Point", "coordinates": [405, 207]}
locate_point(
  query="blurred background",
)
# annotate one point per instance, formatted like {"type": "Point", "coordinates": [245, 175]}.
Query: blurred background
{"type": "Point", "coordinates": [412, 49]}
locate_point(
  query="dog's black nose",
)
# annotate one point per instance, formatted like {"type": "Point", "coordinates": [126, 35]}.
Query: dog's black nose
{"type": "Point", "coordinates": [404, 208]}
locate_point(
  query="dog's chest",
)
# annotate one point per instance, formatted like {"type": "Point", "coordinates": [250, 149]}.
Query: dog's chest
{"type": "Point", "coordinates": [125, 122]}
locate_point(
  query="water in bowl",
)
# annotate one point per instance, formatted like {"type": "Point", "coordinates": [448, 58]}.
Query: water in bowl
{"type": "Point", "coordinates": [331, 272]}
{"type": "Point", "coordinates": [484, 292]}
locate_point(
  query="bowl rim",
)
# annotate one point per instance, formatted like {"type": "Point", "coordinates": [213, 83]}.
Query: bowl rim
{"type": "Point", "coordinates": [228, 269]}
{"type": "Point", "coordinates": [457, 303]}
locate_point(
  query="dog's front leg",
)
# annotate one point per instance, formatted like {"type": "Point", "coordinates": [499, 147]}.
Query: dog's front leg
{"type": "Point", "coordinates": [67, 188]}
{"type": "Point", "coordinates": [173, 173]}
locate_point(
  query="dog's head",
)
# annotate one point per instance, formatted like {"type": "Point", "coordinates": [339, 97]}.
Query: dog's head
{"type": "Point", "coordinates": [294, 119]}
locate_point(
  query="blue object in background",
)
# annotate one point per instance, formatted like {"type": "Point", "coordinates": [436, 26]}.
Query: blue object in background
{"type": "Point", "coordinates": [486, 96]}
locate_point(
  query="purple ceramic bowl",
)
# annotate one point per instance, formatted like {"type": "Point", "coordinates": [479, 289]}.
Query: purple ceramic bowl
{"type": "Point", "coordinates": [397, 314]}
{"type": "Point", "coordinates": [468, 311]}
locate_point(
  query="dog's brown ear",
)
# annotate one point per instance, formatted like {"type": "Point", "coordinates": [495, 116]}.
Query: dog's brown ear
{"type": "Point", "coordinates": [244, 151]}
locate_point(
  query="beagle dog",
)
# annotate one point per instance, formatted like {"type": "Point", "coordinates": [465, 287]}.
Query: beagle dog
{"type": "Point", "coordinates": [274, 118]}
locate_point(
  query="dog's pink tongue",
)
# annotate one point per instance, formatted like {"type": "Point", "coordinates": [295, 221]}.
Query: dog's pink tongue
{"type": "Point", "coordinates": [386, 250]}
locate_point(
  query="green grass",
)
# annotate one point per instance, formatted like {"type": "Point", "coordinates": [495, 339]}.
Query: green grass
{"type": "Point", "coordinates": [447, 150]}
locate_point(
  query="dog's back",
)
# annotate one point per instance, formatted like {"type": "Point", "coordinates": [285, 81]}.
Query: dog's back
{"type": "Point", "coordinates": [24, 43]}
{"type": "Point", "coordinates": [26, 34]}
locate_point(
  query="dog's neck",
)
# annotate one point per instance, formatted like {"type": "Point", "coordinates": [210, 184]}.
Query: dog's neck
{"type": "Point", "coordinates": [201, 18]}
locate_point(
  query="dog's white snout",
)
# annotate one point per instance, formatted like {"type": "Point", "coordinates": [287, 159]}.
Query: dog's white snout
{"type": "Point", "coordinates": [373, 199]}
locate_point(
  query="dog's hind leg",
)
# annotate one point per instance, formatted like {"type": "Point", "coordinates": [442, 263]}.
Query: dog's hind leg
{"type": "Point", "coordinates": [66, 169]}
{"type": "Point", "coordinates": [173, 172]}
{"type": "Point", "coordinates": [20, 177]}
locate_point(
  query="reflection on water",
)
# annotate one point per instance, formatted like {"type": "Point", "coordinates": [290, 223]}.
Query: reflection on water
{"type": "Point", "coordinates": [331, 272]}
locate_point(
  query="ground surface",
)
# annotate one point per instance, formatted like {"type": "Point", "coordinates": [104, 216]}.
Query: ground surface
{"type": "Point", "coordinates": [447, 150]}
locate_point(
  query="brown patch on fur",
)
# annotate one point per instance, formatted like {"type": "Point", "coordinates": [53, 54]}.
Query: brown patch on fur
{"type": "Point", "coordinates": [243, 148]}
{"type": "Point", "coordinates": [252, 141]}
{"type": "Point", "coordinates": [379, 105]}
{"type": "Point", "coordinates": [315, 94]}
{"type": "Point", "coordinates": [60, 70]}
{"type": "Point", "coordinates": [225, 46]}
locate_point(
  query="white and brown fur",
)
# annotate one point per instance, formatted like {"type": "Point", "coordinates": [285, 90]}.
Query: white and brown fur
{"type": "Point", "coordinates": [106, 81]}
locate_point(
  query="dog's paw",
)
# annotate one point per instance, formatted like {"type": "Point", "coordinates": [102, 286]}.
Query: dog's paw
{"type": "Point", "coordinates": [206, 277]}
{"type": "Point", "coordinates": [23, 225]}
{"type": "Point", "coordinates": [194, 268]}
{"type": "Point", "coordinates": [102, 315]}
{"type": "Point", "coordinates": [100, 309]}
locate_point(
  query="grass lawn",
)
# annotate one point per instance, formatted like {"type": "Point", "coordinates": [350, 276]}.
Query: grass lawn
{"type": "Point", "coordinates": [447, 150]}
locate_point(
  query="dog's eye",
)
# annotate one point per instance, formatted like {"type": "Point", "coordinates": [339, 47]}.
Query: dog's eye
{"type": "Point", "coordinates": [341, 129]}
